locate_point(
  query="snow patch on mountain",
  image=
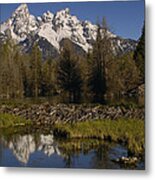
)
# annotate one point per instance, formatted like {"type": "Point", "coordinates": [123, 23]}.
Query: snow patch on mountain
{"type": "Point", "coordinates": [48, 33]}
{"type": "Point", "coordinates": [54, 28]}
{"type": "Point", "coordinates": [20, 24]}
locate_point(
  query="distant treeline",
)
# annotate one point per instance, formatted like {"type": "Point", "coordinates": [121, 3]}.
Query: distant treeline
{"type": "Point", "coordinates": [71, 75]}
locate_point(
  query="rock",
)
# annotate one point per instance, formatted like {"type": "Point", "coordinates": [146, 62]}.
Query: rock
{"type": "Point", "coordinates": [126, 160]}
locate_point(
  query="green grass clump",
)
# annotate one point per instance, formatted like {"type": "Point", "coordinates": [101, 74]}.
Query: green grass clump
{"type": "Point", "coordinates": [129, 131]}
{"type": "Point", "coordinates": [9, 120]}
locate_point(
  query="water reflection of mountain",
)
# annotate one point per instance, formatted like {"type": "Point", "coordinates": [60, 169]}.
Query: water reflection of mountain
{"type": "Point", "coordinates": [23, 146]}
{"type": "Point", "coordinates": [66, 153]}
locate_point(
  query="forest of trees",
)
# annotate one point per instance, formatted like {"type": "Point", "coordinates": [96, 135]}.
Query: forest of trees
{"type": "Point", "coordinates": [92, 76]}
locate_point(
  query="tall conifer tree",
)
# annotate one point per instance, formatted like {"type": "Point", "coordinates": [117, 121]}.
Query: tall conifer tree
{"type": "Point", "coordinates": [99, 58]}
{"type": "Point", "coordinates": [69, 74]}
{"type": "Point", "coordinates": [139, 56]}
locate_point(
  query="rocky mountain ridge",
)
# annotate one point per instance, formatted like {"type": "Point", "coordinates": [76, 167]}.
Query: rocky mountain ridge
{"type": "Point", "coordinates": [49, 30]}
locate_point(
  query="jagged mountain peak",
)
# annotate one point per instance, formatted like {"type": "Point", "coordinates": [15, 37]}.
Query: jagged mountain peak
{"type": "Point", "coordinates": [51, 29]}
{"type": "Point", "coordinates": [47, 17]}
{"type": "Point", "coordinates": [64, 12]}
{"type": "Point", "coordinates": [22, 12]}
{"type": "Point", "coordinates": [22, 8]}
{"type": "Point", "coordinates": [21, 23]}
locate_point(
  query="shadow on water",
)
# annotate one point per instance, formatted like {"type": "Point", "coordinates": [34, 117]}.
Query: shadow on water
{"type": "Point", "coordinates": [53, 100]}
{"type": "Point", "coordinates": [39, 148]}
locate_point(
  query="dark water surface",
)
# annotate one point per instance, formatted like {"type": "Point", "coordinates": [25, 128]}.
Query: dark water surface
{"type": "Point", "coordinates": [121, 100]}
{"type": "Point", "coordinates": [44, 150]}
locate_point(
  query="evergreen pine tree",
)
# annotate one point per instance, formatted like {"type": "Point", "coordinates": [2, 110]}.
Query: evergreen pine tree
{"type": "Point", "coordinates": [69, 75]}
{"type": "Point", "coordinates": [10, 75]}
{"type": "Point", "coordinates": [47, 82]}
{"type": "Point", "coordinates": [139, 56]}
{"type": "Point", "coordinates": [99, 58]}
{"type": "Point", "coordinates": [35, 71]}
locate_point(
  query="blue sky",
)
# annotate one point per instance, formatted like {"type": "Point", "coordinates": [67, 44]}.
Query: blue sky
{"type": "Point", "coordinates": [124, 18]}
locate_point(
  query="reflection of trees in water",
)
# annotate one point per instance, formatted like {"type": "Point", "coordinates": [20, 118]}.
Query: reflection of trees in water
{"type": "Point", "coordinates": [70, 157]}
{"type": "Point", "coordinates": [100, 160]}
{"type": "Point", "coordinates": [104, 154]}
{"type": "Point", "coordinates": [72, 150]}
{"type": "Point", "coordinates": [23, 146]}
{"type": "Point", "coordinates": [1, 152]}
{"type": "Point", "coordinates": [68, 161]}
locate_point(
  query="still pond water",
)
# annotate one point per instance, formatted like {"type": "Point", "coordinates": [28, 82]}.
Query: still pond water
{"type": "Point", "coordinates": [44, 150]}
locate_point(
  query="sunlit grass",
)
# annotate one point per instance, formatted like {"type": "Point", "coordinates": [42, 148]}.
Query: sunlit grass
{"type": "Point", "coordinates": [129, 131]}
{"type": "Point", "coordinates": [9, 120]}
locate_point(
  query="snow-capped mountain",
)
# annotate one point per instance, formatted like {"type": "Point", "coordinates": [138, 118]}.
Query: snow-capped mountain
{"type": "Point", "coordinates": [50, 30]}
